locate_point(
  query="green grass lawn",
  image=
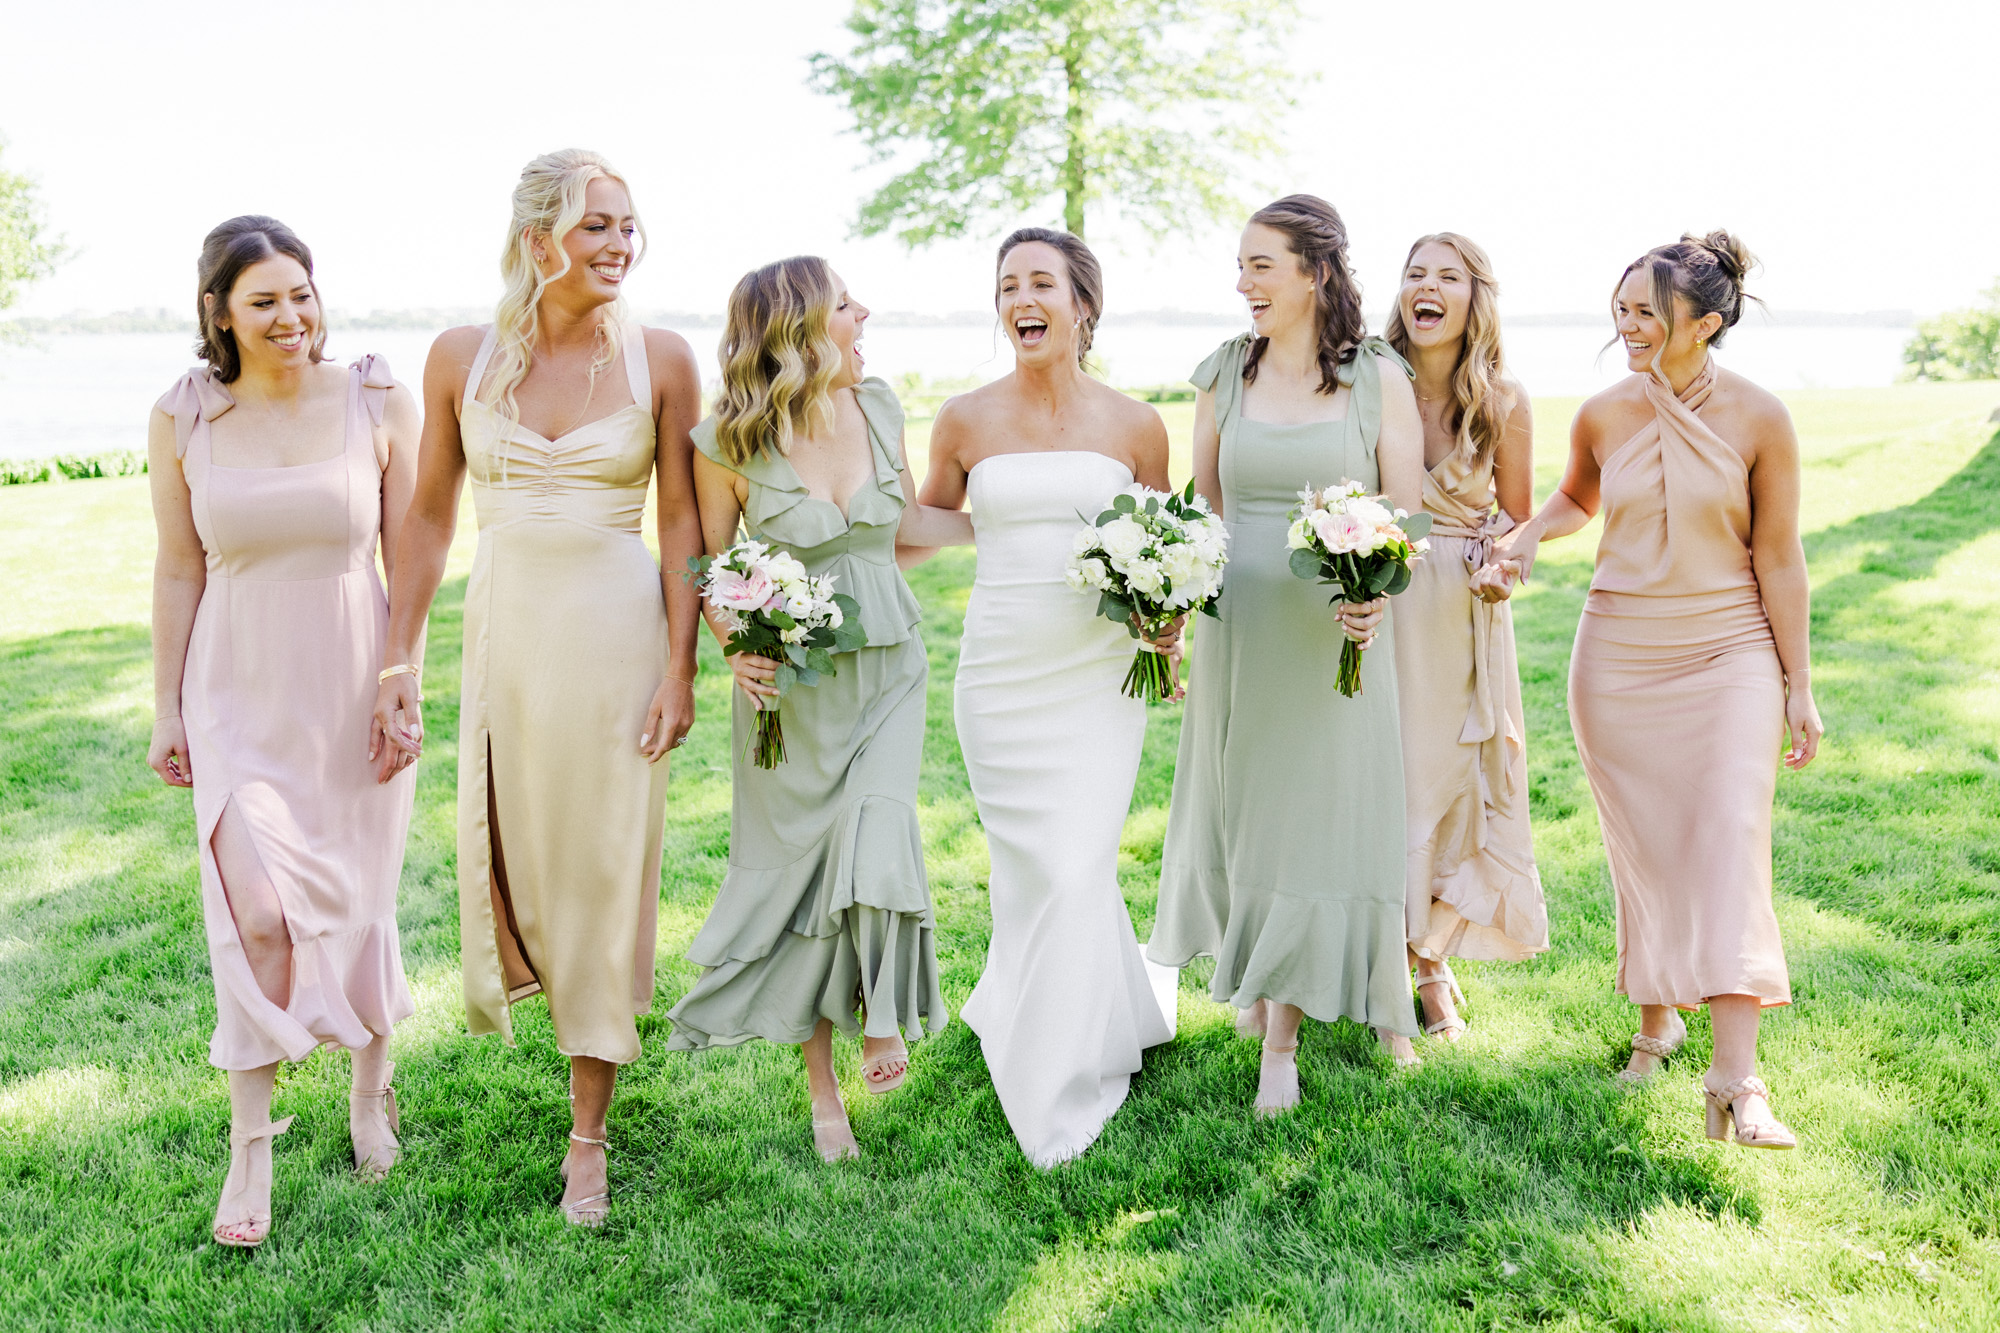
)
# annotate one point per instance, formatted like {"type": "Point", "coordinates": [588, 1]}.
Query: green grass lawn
{"type": "Point", "coordinates": [1508, 1182]}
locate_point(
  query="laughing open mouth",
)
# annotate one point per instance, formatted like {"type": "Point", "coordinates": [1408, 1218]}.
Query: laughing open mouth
{"type": "Point", "coordinates": [1426, 313]}
{"type": "Point", "coordinates": [1031, 331]}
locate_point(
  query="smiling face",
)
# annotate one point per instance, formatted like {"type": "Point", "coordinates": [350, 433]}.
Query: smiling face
{"type": "Point", "coordinates": [273, 314]}
{"type": "Point", "coordinates": [1276, 286]}
{"type": "Point", "coordinates": [600, 247]}
{"type": "Point", "coordinates": [1436, 297]}
{"type": "Point", "coordinates": [1037, 304]}
{"type": "Point", "coordinates": [844, 326]}
{"type": "Point", "coordinates": [1642, 326]}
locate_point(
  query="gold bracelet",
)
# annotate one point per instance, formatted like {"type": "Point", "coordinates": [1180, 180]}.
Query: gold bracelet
{"type": "Point", "coordinates": [403, 669]}
{"type": "Point", "coordinates": [684, 681]}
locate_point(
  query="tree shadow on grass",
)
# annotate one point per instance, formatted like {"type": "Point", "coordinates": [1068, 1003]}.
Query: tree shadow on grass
{"type": "Point", "coordinates": [1907, 542]}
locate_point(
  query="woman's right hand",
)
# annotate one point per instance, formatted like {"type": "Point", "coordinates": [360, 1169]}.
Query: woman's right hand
{"type": "Point", "coordinates": [1516, 549]}
{"type": "Point", "coordinates": [396, 732]}
{"type": "Point", "coordinates": [755, 676]}
{"type": "Point", "coordinates": [1361, 619]}
{"type": "Point", "coordinates": [168, 754]}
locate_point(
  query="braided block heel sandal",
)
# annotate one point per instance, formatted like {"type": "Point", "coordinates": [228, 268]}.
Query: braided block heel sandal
{"type": "Point", "coordinates": [1722, 1115]}
{"type": "Point", "coordinates": [593, 1209]}
{"type": "Point", "coordinates": [1657, 1047]}
{"type": "Point", "coordinates": [249, 1230]}
{"type": "Point", "coordinates": [1453, 1025]}
{"type": "Point", "coordinates": [376, 1163]}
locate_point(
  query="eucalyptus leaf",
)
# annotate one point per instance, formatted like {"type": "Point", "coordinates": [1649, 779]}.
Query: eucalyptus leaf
{"type": "Point", "coordinates": [1305, 563]}
{"type": "Point", "coordinates": [787, 676]}
{"type": "Point", "coordinates": [1416, 525]}
{"type": "Point", "coordinates": [1123, 503]}
{"type": "Point", "coordinates": [819, 659]}
{"type": "Point", "coordinates": [1400, 581]}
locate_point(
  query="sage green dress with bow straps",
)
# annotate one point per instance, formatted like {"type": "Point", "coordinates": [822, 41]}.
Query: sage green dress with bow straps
{"type": "Point", "coordinates": [1284, 847]}
{"type": "Point", "coordinates": [825, 906]}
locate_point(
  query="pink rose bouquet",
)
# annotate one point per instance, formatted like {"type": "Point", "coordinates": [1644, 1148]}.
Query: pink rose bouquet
{"type": "Point", "coordinates": [775, 609]}
{"type": "Point", "coordinates": [1361, 546]}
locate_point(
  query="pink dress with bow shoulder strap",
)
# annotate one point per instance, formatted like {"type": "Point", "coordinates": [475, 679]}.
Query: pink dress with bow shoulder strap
{"type": "Point", "coordinates": [277, 696]}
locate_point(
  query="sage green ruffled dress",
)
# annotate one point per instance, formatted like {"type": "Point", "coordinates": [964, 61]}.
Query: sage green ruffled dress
{"type": "Point", "coordinates": [1284, 847]}
{"type": "Point", "coordinates": [825, 907]}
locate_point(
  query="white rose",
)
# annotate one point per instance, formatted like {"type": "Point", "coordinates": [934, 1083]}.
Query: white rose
{"type": "Point", "coordinates": [1122, 538]}
{"type": "Point", "coordinates": [796, 634]}
{"type": "Point", "coordinates": [1421, 545]}
{"type": "Point", "coordinates": [799, 601]}
{"type": "Point", "coordinates": [835, 617]}
{"type": "Point", "coordinates": [1144, 576]}
{"type": "Point", "coordinates": [1085, 540]}
{"type": "Point", "coordinates": [1371, 513]}
{"type": "Point", "coordinates": [786, 569]}
{"type": "Point", "coordinates": [1183, 566]}
{"type": "Point", "coordinates": [1299, 535]}
{"type": "Point", "coordinates": [1094, 573]}
{"type": "Point", "coordinates": [1074, 578]}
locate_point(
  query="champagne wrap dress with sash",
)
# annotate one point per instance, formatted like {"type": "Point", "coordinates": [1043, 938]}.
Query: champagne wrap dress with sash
{"type": "Point", "coordinates": [825, 905]}
{"type": "Point", "coordinates": [1473, 890]}
{"type": "Point", "coordinates": [1285, 836]}
{"type": "Point", "coordinates": [1678, 704]}
{"type": "Point", "coordinates": [277, 696]}
{"type": "Point", "coordinates": [565, 647]}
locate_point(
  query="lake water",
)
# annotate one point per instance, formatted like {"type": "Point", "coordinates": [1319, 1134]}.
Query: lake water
{"type": "Point", "coordinates": [87, 393]}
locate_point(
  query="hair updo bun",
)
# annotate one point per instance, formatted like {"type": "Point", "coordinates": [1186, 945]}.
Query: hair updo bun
{"type": "Point", "coordinates": [1706, 272]}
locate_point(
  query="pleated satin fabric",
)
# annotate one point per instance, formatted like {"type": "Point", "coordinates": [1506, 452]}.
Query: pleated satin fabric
{"type": "Point", "coordinates": [1472, 890]}
{"type": "Point", "coordinates": [277, 697]}
{"type": "Point", "coordinates": [565, 646]}
{"type": "Point", "coordinates": [1677, 701]}
{"type": "Point", "coordinates": [826, 909]}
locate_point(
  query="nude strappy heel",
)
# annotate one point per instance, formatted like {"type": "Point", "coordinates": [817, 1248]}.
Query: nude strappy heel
{"type": "Point", "coordinates": [1657, 1047]}
{"type": "Point", "coordinates": [1250, 1020]}
{"type": "Point", "coordinates": [1273, 1102]}
{"type": "Point", "coordinates": [575, 1211]}
{"type": "Point", "coordinates": [1387, 1041]}
{"type": "Point", "coordinates": [883, 1061]}
{"type": "Point", "coordinates": [834, 1139]}
{"type": "Point", "coordinates": [1722, 1115]}
{"type": "Point", "coordinates": [1455, 1024]}
{"type": "Point", "coordinates": [255, 1226]}
{"type": "Point", "coordinates": [372, 1167]}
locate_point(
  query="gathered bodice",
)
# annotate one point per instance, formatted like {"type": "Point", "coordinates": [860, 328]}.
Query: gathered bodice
{"type": "Point", "coordinates": [858, 548]}
{"type": "Point", "coordinates": [311, 521]}
{"type": "Point", "coordinates": [1027, 509]}
{"type": "Point", "coordinates": [1676, 503]}
{"type": "Point", "coordinates": [596, 474]}
{"type": "Point", "coordinates": [1265, 465]}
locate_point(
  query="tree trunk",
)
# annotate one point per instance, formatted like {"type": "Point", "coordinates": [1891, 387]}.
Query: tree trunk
{"type": "Point", "coordinates": [1076, 125]}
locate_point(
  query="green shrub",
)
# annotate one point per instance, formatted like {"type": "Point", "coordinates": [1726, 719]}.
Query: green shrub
{"type": "Point", "coordinates": [75, 467]}
{"type": "Point", "coordinates": [1959, 344]}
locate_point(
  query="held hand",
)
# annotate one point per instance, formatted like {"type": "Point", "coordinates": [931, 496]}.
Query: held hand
{"type": "Point", "coordinates": [668, 720]}
{"type": "Point", "coordinates": [1167, 638]}
{"type": "Point", "coordinates": [1516, 550]}
{"type": "Point", "coordinates": [1361, 619]}
{"type": "Point", "coordinates": [755, 676]}
{"type": "Point", "coordinates": [168, 754]}
{"type": "Point", "coordinates": [1495, 582]}
{"type": "Point", "coordinates": [396, 732]}
{"type": "Point", "coordinates": [1802, 726]}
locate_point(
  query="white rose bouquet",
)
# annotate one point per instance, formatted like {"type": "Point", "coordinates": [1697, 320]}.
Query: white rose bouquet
{"type": "Point", "coordinates": [1359, 544]}
{"type": "Point", "coordinates": [1151, 558]}
{"type": "Point", "coordinates": [775, 609]}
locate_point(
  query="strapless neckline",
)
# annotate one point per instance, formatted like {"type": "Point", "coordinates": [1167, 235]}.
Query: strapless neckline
{"type": "Point", "coordinates": [1050, 453]}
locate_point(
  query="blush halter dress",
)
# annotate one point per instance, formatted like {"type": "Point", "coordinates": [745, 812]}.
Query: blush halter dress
{"type": "Point", "coordinates": [1678, 704]}
{"type": "Point", "coordinates": [277, 697]}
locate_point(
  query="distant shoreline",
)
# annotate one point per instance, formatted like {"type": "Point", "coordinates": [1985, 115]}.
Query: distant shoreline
{"type": "Point", "coordinates": [164, 321]}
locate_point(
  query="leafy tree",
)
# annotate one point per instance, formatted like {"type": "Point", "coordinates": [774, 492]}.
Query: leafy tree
{"type": "Point", "coordinates": [1959, 344]}
{"type": "Point", "coordinates": [27, 250]}
{"type": "Point", "coordinates": [1006, 104]}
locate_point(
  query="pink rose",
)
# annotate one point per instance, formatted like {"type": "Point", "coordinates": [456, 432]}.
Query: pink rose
{"type": "Point", "coordinates": [741, 593]}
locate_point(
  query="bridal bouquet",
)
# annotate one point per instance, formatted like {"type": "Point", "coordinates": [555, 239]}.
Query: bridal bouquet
{"type": "Point", "coordinates": [1151, 557]}
{"type": "Point", "coordinates": [775, 609]}
{"type": "Point", "coordinates": [1356, 542]}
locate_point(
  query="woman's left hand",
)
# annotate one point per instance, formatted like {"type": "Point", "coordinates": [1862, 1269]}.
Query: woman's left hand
{"type": "Point", "coordinates": [1361, 619]}
{"type": "Point", "coordinates": [1802, 726]}
{"type": "Point", "coordinates": [668, 720]}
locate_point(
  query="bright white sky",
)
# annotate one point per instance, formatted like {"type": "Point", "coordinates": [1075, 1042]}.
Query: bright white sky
{"type": "Point", "coordinates": [1852, 145]}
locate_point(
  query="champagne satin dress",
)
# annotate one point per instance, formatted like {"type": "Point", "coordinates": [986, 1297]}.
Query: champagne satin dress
{"type": "Point", "coordinates": [1285, 836]}
{"type": "Point", "coordinates": [565, 646]}
{"type": "Point", "coordinates": [1678, 704]}
{"type": "Point", "coordinates": [277, 697]}
{"type": "Point", "coordinates": [1472, 887]}
{"type": "Point", "coordinates": [826, 907]}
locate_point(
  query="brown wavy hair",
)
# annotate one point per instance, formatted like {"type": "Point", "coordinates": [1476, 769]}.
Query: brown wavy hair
{"type": "Point", "coordinates": [778, 358]}
{"type": "Point", "coordinates": [1480, 398]}
{"type": "Point", "coordinates": [1086, 277]}
{"type": "Point", "coordinates": [225, 252]}
{"type": "Point", "coordinates": [1314, 232]}
{"type": "Point", "coordinates": [1705, 271]}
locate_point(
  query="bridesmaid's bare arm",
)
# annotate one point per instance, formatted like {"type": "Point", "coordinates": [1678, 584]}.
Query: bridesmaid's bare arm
{"type": "Point", "coordinates": [944, 479]}
{"type": "Point", "coordinates": [425, 536]}
{"type": "Point", "coordinates": [400, 441]}
{"type": "Point", "coordinates": [721, 494]}
{"type": "Point", "coordinates": [1207, 451]}
{"type": "Point", "coordinates": [1148, 444]}
{"type": "Point", "coordinates": [676, 408]}
{"type": "Point", "coordinates": [925, 528]}
{"type": "Point", "coordinates": [1575, 500]}
{"type": "Point", "coordinates": [1779, 559]}
{"type": "Point", "coordinates": [1399, 452]}
{"type": "Point", "coordinates": [1513, 487]}
{"type": "Point", "coordinates": [180, 573]}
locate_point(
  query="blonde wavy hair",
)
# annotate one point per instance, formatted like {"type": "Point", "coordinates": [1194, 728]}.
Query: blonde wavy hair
{"type": "Point", "coordinates": [1480, 397]}
{"type": "Point", "coordinates": [778, 358]}
{"type": "Point", "coordinates": [548, 202]}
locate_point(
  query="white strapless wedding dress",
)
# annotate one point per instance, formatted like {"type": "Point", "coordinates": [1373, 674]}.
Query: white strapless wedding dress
{"type": "Point", "coordinates": [1067, 1001]}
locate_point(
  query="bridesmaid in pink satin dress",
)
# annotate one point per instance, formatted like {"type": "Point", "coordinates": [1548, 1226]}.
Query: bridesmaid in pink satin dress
{"type": "Point", "coordinates": [1691, 664]}
{"type": "Point", "coordinates": [275, 478]}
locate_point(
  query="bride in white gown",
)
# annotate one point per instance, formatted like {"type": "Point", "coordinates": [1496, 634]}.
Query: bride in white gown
{"type": "Point", "coordinates": [1067, 1002]}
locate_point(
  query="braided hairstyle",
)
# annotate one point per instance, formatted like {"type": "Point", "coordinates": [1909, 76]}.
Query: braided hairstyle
{"type": "Point", "coordinates": [1314, 232]}
{"type": "Point", "coordinates": [1706, 272]}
